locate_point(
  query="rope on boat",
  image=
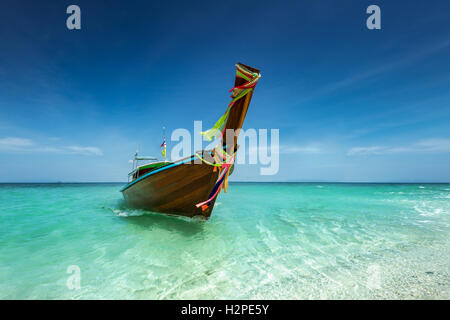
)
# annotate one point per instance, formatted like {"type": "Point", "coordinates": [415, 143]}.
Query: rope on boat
{"type": "Point", "coordinates": [224, 161]}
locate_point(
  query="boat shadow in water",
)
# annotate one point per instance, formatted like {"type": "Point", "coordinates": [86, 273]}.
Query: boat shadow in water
{"type": "Point", "coordinates": [149, 220]}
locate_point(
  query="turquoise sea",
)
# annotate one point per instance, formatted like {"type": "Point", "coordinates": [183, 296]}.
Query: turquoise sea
{"type": "Point", "coordinates": [263, 241]}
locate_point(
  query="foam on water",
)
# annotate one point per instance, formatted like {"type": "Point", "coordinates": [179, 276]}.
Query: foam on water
{"type": "Point", "coordinates": [264, 241]}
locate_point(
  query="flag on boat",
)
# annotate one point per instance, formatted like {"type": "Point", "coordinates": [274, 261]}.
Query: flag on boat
{"type": "Point", "coordinates": [163, 146]}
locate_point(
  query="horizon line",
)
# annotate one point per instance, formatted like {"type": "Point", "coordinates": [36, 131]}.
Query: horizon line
{"type": "Point", "coordinates": [329, 182]}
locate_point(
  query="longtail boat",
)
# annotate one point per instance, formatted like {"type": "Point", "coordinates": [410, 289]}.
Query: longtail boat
{"type": "Point", "coordinates": [190, 186]}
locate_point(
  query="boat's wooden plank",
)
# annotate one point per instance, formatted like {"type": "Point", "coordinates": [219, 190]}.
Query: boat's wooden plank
{"type": "Point", "coordinates": [190, 185]}
{"type": "Point", "coordinates": [177, 189]}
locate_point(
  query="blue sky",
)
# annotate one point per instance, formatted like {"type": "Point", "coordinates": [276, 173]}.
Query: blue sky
{"type": "Point", "coordinates": [351, 104]}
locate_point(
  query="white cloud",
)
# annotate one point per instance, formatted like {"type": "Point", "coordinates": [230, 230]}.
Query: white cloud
{"type": "Point", "coordinates": [14, 144]}
{"type": "Point", "coordinates": [421, 146]}
{"type": "Point", "coordinates": [434, 145]}
{"type": "Point", "coordinates": [85, 150]}
{"type": "Point", "coordinates": [361, 75]}
{"type": "Point", "coordinates": [362, 151]}
{"type": "Point", "coordinates": [11, 143]}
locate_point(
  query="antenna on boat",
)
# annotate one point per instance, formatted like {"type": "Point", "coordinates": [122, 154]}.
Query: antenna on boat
{"type": "Point", "coordinates": [135, 157]}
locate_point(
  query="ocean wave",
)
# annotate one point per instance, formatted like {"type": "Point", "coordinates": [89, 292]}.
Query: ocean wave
{"type": "Point", "coordinates": [427, 211]}
{"type": "Point", "coordinates": [127, 212]}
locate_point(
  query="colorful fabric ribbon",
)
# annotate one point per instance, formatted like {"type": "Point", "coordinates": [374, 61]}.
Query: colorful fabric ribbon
{"type": "Point", "coordinates": [163, 148]}
{"type": "Point", "coordinates": [238, 93]}
{"type": "Point", "coordinates": [221, 182]}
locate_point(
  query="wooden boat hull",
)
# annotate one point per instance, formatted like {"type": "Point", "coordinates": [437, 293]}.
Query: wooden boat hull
{"type": "Point", "coordinates": [175, 189]}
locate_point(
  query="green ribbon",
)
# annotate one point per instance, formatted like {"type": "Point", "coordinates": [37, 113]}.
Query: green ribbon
{"type": "Point", "coordinates": [211, 133]}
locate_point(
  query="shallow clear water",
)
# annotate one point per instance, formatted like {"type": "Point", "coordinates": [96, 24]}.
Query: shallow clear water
{"type": "Point", "coordinates": [263, 241]}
